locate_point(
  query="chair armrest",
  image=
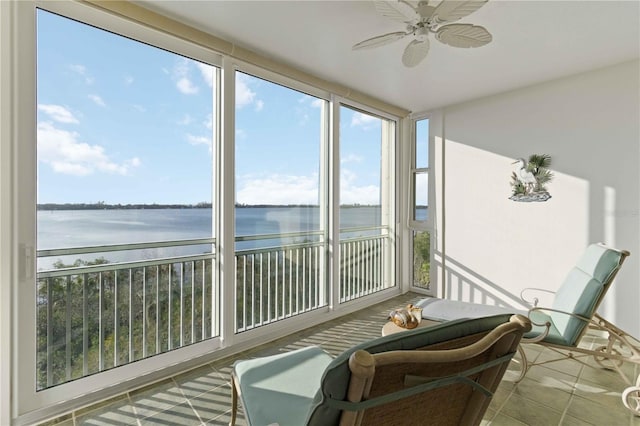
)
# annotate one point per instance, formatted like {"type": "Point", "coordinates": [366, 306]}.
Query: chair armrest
{"type": "Point", "coordinates": [571, 314]}
{"type": "Point", "coordinates": [534, 301]}
{"type": "Point", "coordinates": [547, 325]}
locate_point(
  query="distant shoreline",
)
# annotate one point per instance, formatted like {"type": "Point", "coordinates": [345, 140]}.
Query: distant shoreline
{"type": "Point", "coordinates": [104, 206]}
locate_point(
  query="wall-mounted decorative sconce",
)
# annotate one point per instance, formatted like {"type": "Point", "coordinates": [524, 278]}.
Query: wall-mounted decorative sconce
{"type": "Point", "coordinates": [528, 181]}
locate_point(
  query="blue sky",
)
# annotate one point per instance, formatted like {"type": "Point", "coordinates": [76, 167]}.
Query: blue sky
{"type": "Point", "coordinates": [122, 122]}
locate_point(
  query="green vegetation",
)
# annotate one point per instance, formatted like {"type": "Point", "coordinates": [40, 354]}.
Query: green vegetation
{"type": "Point", "coordinates": [135, 312]}
{"type": "Point", "coordinates": [101, 205]}
{"type": "Point", "coordinates": [421, 259]}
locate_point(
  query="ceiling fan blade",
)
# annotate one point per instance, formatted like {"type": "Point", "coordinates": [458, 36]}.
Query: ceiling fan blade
{"type": "Point", "coordinates": [463, 35]}
{"type": "Point", "coordinates": [452, 10]}
{"type": "Point", "coordinates": [379, 40]}
{"type": "Point", "coordinates": [398, 10]}
{"type": "Point", "coordinates": [415, 52]}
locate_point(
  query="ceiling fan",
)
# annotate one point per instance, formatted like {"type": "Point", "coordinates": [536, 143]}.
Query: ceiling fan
{"type": "Point", "coordinates": [424, 19]}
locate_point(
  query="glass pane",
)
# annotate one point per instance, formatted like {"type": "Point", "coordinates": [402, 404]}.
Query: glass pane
{"type": "Point", "coordinates": [422, 144]}
{"type": "Point", "coordinates": [365, 141]}
{"type": "Point", "coordinates": [360, 169]}
{"type": "Point", "coordinates": [124, 150]}
{"type": "Point", "coordinates": [421, 258]}
{"type": "Point", "coordinates": [277, 214]}
{"type": "Point", "coordinates": [421, 187]}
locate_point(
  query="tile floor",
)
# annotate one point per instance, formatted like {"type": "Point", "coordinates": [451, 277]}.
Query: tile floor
{"type": "Point", "coordinates": [563, 393]}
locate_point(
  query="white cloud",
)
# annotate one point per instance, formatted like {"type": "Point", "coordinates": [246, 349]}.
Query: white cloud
{"type": "Point", "coordinates": [200, 140]}
{"type": "Point", "coordinates": [207, 72]}
{"type": "Point", "coordinates": [81, 70]}
{"type": "Point", "coordinates": [352, 193]}
{"type": "Point", "coordinates": [350, 158]}
{"type": "Point", "coordinates": [185, 86]}
{"type": "Point", "coordinates": [278, 189]}
{"type": "Point", "coordinates": [304, 113]}
{"type": "Point", "coordinates": [98, 100]}
{"type": "Point", "coordinates": [128, 80]}
{"type": "Point", "coordinates": [186, 120]}
{"type": "Point", "coordinates": [422, 189]}
{"type": "Point", "coordinates": [364, 120]}
{"type": "Point", "coordinates": [181, 74]}
{"type": "Point", "coordinates": [312, 101]}
{"type": "Point", "coordinates": [58, 113]}
{"type": "Point", "coordinates": [244, 95]}
{"type": "Point", "coordinates": [139, 108]}
{"type": "Point", "coordinates": [65, 154]}
{"type": "Point", "coordinates": [241, 134]}
{"type": "Point", "coordinates": [208, 122]}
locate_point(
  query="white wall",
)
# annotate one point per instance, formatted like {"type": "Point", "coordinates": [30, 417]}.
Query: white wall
{"type": "Point", "coordinates": [494, 247]}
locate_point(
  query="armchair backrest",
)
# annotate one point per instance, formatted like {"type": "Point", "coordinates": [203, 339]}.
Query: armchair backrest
{"type": "Point", "coordinates": [583, 290]}
{"type": "Point", "coordinates": [339, 384]}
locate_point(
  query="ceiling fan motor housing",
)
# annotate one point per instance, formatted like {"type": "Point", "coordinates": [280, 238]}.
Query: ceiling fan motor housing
{"type": "Point", "coordinates": [421, 33]}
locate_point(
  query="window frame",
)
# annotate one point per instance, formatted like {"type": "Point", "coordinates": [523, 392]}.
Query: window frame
{"type": "Point", "coordinates": [390, 142]}
{"type": "Point", "coordinates": [421, 225]}
{"type": "Point", "coordinates": [27, 401]}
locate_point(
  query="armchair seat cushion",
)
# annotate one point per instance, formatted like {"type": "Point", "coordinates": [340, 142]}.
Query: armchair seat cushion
{"type": "Point", "coordinates": [284, 383]}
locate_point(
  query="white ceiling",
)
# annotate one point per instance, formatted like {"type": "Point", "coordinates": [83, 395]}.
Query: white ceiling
{"type": "Point", "coordinates": [533, 41]}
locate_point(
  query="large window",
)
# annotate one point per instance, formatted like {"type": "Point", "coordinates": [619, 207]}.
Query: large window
{"type": "Point", "coordinates": [420, 205]}
{"type": "Point", "coordinates": [366, 210]}
{"type": "Point", "coordinates": [124, 200]}
{"type": "Point", "coordinates": [280, 213]}
{"type": "Point", "coordinates": [169, 221]}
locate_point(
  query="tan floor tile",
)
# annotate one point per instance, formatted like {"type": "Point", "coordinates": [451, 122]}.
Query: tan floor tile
{"type": "Point", "coordinates": [530, 412]}
{"type": "Point", "coordinates": [568, 420]}
{"type": "Point", "coordinates": [156, 398]}
{"type": "Point", "coordinates": [212, 405]}
{"type": "Point", "coordinates": [503, 420]}
{"type": "Point", "coordinates": [201, 380]}
{"type": "Point", "coordinates": [120, 412]}
{"type": "Point", "coordinates": [590, 411]}
{"type": "Point", "coordinates": [546, 375]}
{"type": "Point", "coordinates": [224, 420]}
{"type": "Point", "coordinates": [547, 395]}
{"type": "Point", "coordinates": [179, 415]}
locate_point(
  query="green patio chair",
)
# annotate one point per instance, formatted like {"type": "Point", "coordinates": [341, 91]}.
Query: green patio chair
{"type": "Point", "coordinates": [445, 374]}
{"type": "Point", "coordinates": [561, 326]}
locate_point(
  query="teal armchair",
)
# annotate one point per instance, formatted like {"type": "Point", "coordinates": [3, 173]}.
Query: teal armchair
{"type": "Point", "coordinates": [445, 374]}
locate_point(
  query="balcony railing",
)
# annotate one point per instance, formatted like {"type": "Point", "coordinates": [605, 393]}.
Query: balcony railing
{"type": "Point", "coordinates": [274, 283]}
{"type": "Point", "coordinates": [94, 315]}
{"type": "Point", "coordinates": [362, 266]}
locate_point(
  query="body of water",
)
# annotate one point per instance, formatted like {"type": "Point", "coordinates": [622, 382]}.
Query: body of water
{"type": "Point", "coordinates": [81, 228]}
